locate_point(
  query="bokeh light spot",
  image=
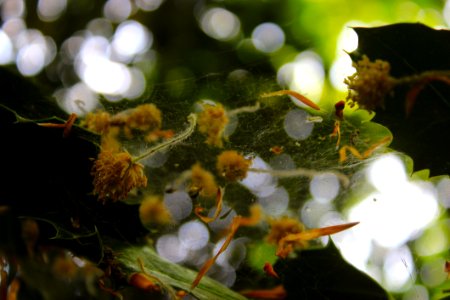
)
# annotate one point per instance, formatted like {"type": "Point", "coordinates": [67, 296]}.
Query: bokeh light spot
{"type": "Point", "coordinates": [324, 187]}
{"type": "Point", "coordinates": [77, 99]}
{"type": "Point", "coordinates": [446, 12]}
{"type": "Point", "coordinates": [233, 256]}
{"type": "Point", "coordinates": [193, 235]}
{"type": "Point", "coordinates": [312, 211]}
{"type": "Point", "coordinates": [6, 49]}
{"type": "Point", "coordinates": [12, 9]}
{"type": "Point", "coordinates": [296, 125]}
{"type": "Point", "coordinates": [14, 27]}
{"type": "Point", "coordinates": [169, 247]}
{"type": "Point", "coordinates": [106, 77]}
{"type": "Point", "coordinates": [340, 70]}
{"type": "Point", "coordinates": [391, 219]}
{"type": "Point", "coordinates": [149, 5]}
{"type": "Point", "coordinates": [304, 74]}
{"type": "Point", "coordinates": [398, 269]}
{"type": "Point", "coordinates": [137, 85]}
{"type": "Point", "coordinates": [222, 222]}
{"type": "Point", "coordinates": [179, 204]}
{"type": "Point", "coordinates": [100, 27]}
{"type": "Point", "coordinates": [260, 184]}
{"type": "Point", "coordinates": [117, 10]}
{"type": "Point", "coordinates": [50, 10]}
{"type": "Point", "coordinates": [433, 272]}
{"type": "Point", "coordinates": [131, 38]}
{"type": "Point", "coordinates": [282, 162]}
{"type": "Point", "coordinates": [220, 24]}
{"type": "Point", "coordinates": [387, 173]}
{"type": "Point", "coordinates": [276, 203]}
{"type": "Point", "coordinates": [268, 37]}
{"type": "Point", "coordinates": [443, 189]}
{"type": "Point", "coordinates": [417, 292]}
{"type": "Point", "coordinates": [30, 59]}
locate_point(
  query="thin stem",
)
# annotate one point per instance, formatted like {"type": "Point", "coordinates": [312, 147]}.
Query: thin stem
{"type": "Point", "coordinates": [19, 119]}
{"type": "Point", "coordinates": [192, 118]}
{"type": "Point", "coordinates": [422, 76]}
{"type": "Point", "coordinates": [244, 109]}
{"type": "Point", "coordinates": [301, 172]}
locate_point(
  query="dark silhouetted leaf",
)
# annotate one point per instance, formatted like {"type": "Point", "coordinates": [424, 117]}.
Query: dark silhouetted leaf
{"type": "Point", "coordinates": [324, 274]}
{"type": "Point", "coordinates": [412, 49]}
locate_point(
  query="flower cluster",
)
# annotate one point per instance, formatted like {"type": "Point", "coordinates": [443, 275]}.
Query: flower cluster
{"type": "Point", "coordinates": [370, 84]}
{"type": "Point", "coordinates": [145, 118]}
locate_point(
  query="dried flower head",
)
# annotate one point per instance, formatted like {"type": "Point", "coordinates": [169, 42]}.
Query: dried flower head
{"type": "Point", "coordinates": [370, 84]}
{"type": "Point", "coordinates": [152, 211]}
{"type": "Point", "coordinates": [203, 181]}
{"type": "Point", "coordinates": [211, 122]}
{"type": "Point", "coordinates": [232, 165]}
{"type": "Point", "coordinates": [98, 122]}
{"type": "Point", "coordinates": [115, 174]}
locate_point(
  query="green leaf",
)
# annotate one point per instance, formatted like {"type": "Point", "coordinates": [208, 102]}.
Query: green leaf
{"type": "Point", "coordinates": [172, 274]}
{"type": "Point", "coordinates": [64, 234]}
{"type": "Point", "coordinates": [324, 274]}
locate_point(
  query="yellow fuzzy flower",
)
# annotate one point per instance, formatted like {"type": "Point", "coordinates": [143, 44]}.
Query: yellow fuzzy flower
{"type": "Point", "coordinates": [152, 211]}
{"type": "Point", "coordinates": [115, 175]}
{"type": "Point", "coordinates": [98, 122]}
{"type": "Point", "coordinates": [279, 228]}
{"type": "Point", "coordinates": [232, 165]}
{"type": "Point", "coordinates": [211, 122]}
{"type": "Point", "coordinates": [203, 181]}
{"type": "Point", "coordinates": [144, 117]}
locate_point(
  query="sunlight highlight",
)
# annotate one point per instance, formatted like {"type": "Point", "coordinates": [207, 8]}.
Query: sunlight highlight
{"type": "Point", "coordinates": [387, 173]}
{"type": "Point", "coordinates": [398, 269]}
{"type": "Point", "coordinates": [131, 38]}
{"type": "Point", "coordinates": [78, 99]}
{"type": "Point", "coordinates": [6, 49]}
{"type": "Point", "coordinates": [305, 74]}
{"type": "Point", "coordinates": [106, 77]}
{"type": "Point", "coordinates": [446, 12]}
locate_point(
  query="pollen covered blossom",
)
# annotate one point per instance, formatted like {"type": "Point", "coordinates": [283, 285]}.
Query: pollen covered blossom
{"type": "Point", "coordinates": [115, 175]}
{"type": "Point", "coordinates": [211, 122]}
{"type": "Point", "coordinates": [144, 117]}
{"type": "Point", "coordinates": [203, 180]}
{"type": "Point", "coordinates": [98, 122]}
{"type": "Point", "coordinates": [152, 211]}
{"type": "Point", "coordinates": [232, 165]}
